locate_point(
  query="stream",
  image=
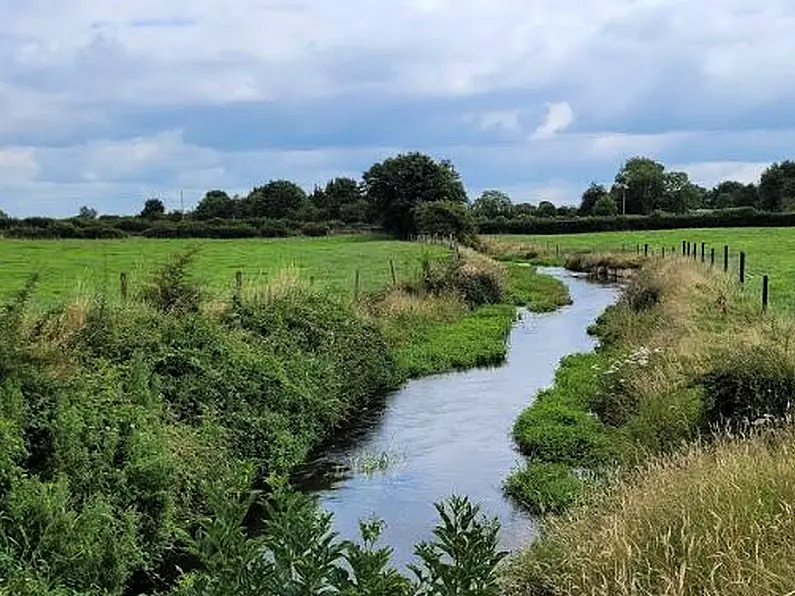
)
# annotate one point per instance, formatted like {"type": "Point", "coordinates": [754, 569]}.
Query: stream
{"type": "Point", "coordinates": [450, 434]}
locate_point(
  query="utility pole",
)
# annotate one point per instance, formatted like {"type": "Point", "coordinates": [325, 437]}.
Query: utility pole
{"type": "Point", "coordinates": [181, 205]}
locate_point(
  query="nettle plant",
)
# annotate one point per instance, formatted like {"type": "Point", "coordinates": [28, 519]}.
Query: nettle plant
{"type": "Point", "coordinates": [298, 554]}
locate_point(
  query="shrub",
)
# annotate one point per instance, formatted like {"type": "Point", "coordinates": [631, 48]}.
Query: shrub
{"type": "Point", "coordinates": [315, 229]}
{"type": "Point", "coordinates": [171, 289]}
{"type": "Point", "coordinates": [749, 383]}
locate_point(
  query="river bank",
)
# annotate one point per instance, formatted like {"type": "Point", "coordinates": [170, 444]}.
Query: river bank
{"type": "Point", "coordinates": [665, 456]}
{"type": "Point", "coordinates": [450, 433]}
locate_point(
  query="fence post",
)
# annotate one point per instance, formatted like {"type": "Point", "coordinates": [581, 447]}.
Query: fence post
{"type": "Point", "coordinates": [123, 285]}
{"type": "Point", "coordinates": [712, 257]}
{"type": "Point", "coordinates": [688, 249]}
{"type": "Point", "coordinates": [765, 292]}
{"type": "Point", "coordinates": [695, 251]}
{"type": "Point", "coordinates": [238, 285]}
{"type": "Point", "coordinates": [392, 269]}
{"type": "Point", "coordinates": [683, 248]}
{"type": "Point", "coordinates": [725, 258]}
{"type": "Point", "coordinates": [557, 250]}
{"type": "Point", "coordinates": [663, 252]}
{"type": "Point", "coordinates": [645, 250]}
{"type": "Point", "coordinates": [742, 267]}
{"type": "Point", "coordinates": [356, 287]}
{"type": "Point", "coordinates": [703, 248]}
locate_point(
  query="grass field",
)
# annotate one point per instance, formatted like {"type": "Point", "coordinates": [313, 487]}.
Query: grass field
{"type": "Point", "coordinates": [70, 268]}
{"type": "Point", "coordinates": [769, 251]}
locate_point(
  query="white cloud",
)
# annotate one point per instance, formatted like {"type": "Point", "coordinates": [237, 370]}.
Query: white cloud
{"type": "Point", "coordinates": [17, 165]}
{"type": "Point", "coordinates": [710, 173]}
{"type": "Point", "coordinates": [559, 117]}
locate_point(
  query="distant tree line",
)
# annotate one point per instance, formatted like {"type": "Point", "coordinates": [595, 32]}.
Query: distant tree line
{"type": "Point", "coordinates": [412, 194]}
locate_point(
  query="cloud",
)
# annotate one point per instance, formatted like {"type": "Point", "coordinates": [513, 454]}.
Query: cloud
{"type": "Point", "coordinates": [559, 117]}
{"type": "Point", "coordinates": [104, 100]}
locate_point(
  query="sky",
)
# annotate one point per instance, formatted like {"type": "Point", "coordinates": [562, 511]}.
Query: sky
{"type": "Point", "coordinates": [107, 103]}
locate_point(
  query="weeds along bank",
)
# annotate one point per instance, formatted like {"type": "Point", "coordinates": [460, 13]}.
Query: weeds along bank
{"type": "Point", "coordinates": [131, 434]}
{"type": "Point", "coordinates": [665, 457]}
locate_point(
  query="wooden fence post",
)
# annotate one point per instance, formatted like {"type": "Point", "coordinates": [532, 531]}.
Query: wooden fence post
{"type": "Point", "coordinates": [703, 248]}
{"type": "Point", "coordinates": [742, 267]}
{"type": "Point", "coordinates": [645, 250]}
{"type": "Point", "coordinates": [123, 285]}
{"type": "Point", "coordinates": [392, 269]}
{"type": "Point", "coordinates": [356, 287]}
{"type": "Point", "coordinates": [663, 252]}
{"type": "Point", "coordinates": [683, 248]}
{"type": "Point", "coordinates": [765, 292]}
{"type": "Point", "coordinates": [712, 257]}
{"type": "Point", "coordinates": [726, 258]}
{"type": "Point", "coordinates": [695, 252]}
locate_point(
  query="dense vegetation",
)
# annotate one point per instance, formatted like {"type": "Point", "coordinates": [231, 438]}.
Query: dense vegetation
{"type": "Point", "coordinates": [412, 194]}
{"type": "Point", "coordinates": [132, 433]}
{"type": "Point", "coordinates": [630, 447]}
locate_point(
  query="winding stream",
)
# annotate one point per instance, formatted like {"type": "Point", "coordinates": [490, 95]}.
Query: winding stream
{"type": "Point", "coordinates": [451, 434]}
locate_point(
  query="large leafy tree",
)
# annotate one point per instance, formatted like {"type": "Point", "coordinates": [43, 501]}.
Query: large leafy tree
{"type": "Point", "coordinates": [777, 187]}
{"type": "Point", "coordinates": [546, 209]}
{"type": "Point", "coordinates": [153, 208]}
{"type": "Point", "coordinates": [591, 197]}
{"type": "Point", "coordinates": [278, 199]}
{"type": "Point", "coordinates": [493, 203]}
{"type": "Point", "coordinates": [216, 203]}
{"type": "Point", "coordinates": [396, 186]}
{"type": "Point", "coordinates": [731, 193]}
{"type": "Point", "coordinates": [642, 182]}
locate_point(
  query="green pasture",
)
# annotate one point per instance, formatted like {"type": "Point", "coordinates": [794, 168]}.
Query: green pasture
{"type": "Point", "coordinates": [768, 251]}
{"type": "Point", "coordinates": [69, 268]}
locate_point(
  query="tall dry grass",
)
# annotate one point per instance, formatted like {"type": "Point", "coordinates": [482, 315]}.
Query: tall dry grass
{"type": "Point", "coordinates": [715, 520]}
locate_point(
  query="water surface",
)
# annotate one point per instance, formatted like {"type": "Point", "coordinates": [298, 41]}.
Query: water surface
{"type": "Point", "coordinates": [451, 434]}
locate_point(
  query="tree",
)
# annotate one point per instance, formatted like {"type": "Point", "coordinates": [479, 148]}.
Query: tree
{"type": "Point", "coordinates": [153, 208]}
{"type": "Point", "coordinates": [731, 193]}
{"type": "Point", "coordinates": [278, 199]}
{"type": "Point", "coordinates": [216, 203]}
{"type": "Point", "coordinates": [396, 186]}
{"type": "Point", "coordinates": [546, 209]}
{"type": "Point", "coordinates": [605, 206]}
{"type": "Point", "coordinates": [777, 186]}
{"type": "Point", "coordinates": [641, 181]}
{"type": "Point", "coordinates": [493, 203]}
{"type": "Point", "coordinates": [338, 193]}
{"type": "Point", "coordinates": [590, 197]}
{"type": "Point", "coordinates": [524, 210]}
{"type": "Point", "coordinates": [3, 215]}
{"type": "Point", "coordinates": [446, 218]}
{"type": "Point", "coordinates": [87, 213]}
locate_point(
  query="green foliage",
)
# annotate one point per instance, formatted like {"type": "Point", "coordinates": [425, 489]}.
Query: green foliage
{"type": "Point", "coordinates": [445, 219]}
{"type": "Point", "coordinates": [749, 384]}
{"type": "Point", "coordinates": [540, 293]}
{"type": "Point", "coordinates": [605, 206]}
{"type": "Point", "coordinates": [544, 487]}
{"type": "Point", "coordinates": [591, 197]}
{"type": "Point", "coordinates": [546, 209]}
{"type": "Point", "coordinates": [153, 208]}
{"type": "Point", "coordinates": [551, 431]}
{"type": "Point", "coordinates": [396, 186]}
{"type": "Point", "coordinates": [777, 186]}
{"type": "Point", "coordinates": [216, 203]}
{"type": "Point", "coordinates": [277, 199]}
{"type": "Point", "coordinates": [171, 289]}
{"type": "Point", "coordinates": [298, 554]}
{"type": "Point", "coordinates": [492, 203]}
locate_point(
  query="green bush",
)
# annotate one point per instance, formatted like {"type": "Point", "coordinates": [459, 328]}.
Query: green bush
{"type": "Point", "coordinates": [748, 384]}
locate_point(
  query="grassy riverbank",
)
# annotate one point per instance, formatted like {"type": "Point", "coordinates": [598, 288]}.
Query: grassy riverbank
{"type": "Point", "coordinates": [686, 494]}
{"type": "Point", "coordinates": [120, 421]}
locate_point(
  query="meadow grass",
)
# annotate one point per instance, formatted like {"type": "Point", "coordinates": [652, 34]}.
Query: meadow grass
{"type": "Point", "coordinates": [70, 268]}
{"type": "Point", "coordinates": [769, 251]}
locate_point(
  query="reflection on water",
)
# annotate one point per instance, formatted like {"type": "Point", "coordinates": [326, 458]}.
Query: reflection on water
{"type": "Point", "coordinates": [451, 434]}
